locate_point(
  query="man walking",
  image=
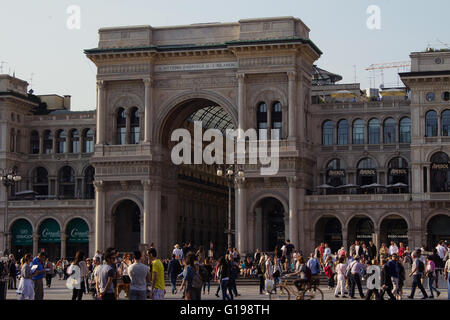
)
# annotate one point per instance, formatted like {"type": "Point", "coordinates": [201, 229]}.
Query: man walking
{"type": "Point", "coordinates": [418, 268]}
{"type": "Point", "coordinates": [105, 274]}
{"type": "Point", "coordinates": [314, 265]}
{"type": "Point", "coordinates": [289, 250]}
{"type": "Point", "coordinates": [139, 274]}
{"type": "Point", "coordinates": [355, 277]}
{"type": "Point", "coordinates": [39, 274]}
{"type": "Point", "coordinates": [447, 277]}
{"type": "Point", "coordinates": [173, 270]}
{"type": "Point", "coordinates": [12, 272]}
{"type": "Point", "coordinates": [157, 291]}
{"type": "Point", "coordinates": [394, 270]}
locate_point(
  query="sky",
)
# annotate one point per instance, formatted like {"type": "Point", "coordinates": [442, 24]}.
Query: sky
{"type": "Point", "coordinates": [36, 43]}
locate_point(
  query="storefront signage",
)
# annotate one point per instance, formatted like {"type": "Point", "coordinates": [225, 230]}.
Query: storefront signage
{"type": "Point", "coordinates": [196, 66]}
{"type": "Point", "coordinates": [394, 236]}
{"type": "Point", "coordinates": [77, 231]}
{"type": "Point", "coordinates": [367, 172]}
{"type": "Point", "coordinates": [439, 166]}
{"type": "Point", "coordinates": [336, 173]}
{"type": "Point", "coordinates": [22, 234]}
{"type": "Point", "coordinates": [399, 172]}
{"type": "Point", "coordinates": [49, 232]}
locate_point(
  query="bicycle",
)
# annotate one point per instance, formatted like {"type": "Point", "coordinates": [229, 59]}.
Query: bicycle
{"type": "Point", "coordinates": [307, 291]}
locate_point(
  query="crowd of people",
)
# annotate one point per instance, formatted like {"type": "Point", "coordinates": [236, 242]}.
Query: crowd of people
{"type": "Point", "coordinates": [142, 274]}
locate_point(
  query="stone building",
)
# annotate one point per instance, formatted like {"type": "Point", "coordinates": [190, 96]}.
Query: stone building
{"type": "Point", "coordinates": [351, 168]}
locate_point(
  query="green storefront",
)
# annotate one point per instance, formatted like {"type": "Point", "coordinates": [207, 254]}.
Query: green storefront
{"type": "Point", "coordinates": [22, 238]}
{"type": "Point", "coordinates": [50, 239]}
{"type": "Point", "coordinates": [77, 233]}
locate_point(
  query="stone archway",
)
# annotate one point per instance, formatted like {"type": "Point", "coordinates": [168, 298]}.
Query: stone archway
{"type": "Point", "coordinates": [394, 228]}
{"type": "Point", "coordinates": [328, 229]}
{"type": "Point", "coordinates": [438, 228]}
{"type": "Point", "coordinates": [127, 226]}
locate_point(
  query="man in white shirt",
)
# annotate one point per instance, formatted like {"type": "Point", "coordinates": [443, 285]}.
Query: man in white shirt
{"type": "Point", "coordinates": [441, 249]}
{"type": "Point", "coordinates": [140, 276]}
{"type": "Point", "coordinates": [393, 248]}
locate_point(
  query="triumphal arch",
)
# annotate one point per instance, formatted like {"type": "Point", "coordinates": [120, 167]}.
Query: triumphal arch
{"type": "Point", "coordinates": [254, 73]}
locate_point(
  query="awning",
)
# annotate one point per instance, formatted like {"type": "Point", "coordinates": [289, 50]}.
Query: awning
{"type": "Point", "coordinates": [49, 232]}
{"type": "Point", "coordinates": [22, 233]}
{"type": "Point", "coordinates": [77, 231]}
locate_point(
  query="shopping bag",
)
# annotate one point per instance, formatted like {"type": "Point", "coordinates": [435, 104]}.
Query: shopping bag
{"type": "Point", "coordinates": [269, 285]}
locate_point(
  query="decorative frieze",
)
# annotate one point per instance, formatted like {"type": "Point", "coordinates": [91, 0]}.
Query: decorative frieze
{"type": "Point", "coordinates": [189, 83]}
{"type": "Point", "coordinates": [266, 61]}
{"type": "Point", "coordinates": [123, 69]}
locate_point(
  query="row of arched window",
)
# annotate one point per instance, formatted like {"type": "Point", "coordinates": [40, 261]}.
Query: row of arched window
{"type": "Point", "coordinates": [390, 132]}
{"type": "Point", "coordinates": [269, 118]}
{"type": "Point", "coordinates": [71, 141]}
{"type": "Point", "coordinates": [66, 183]}
{"type": "Point", "coordinates": [431, 123]}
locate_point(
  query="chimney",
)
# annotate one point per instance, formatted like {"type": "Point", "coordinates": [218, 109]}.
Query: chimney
{"type": "Point", "coordinates": [67, 102]}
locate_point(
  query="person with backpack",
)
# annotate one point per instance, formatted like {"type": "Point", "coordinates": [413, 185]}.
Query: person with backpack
{"type": "Point", "coordinates": [417, 271]}
{"type": "Point", "coordinates": [354, 274]}
{"type": "Point", "coordinates": [191, 278]}
{"type": "Point", "coordinates": [314, 265]}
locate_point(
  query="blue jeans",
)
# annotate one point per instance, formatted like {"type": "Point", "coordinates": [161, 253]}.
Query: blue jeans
{"type": "Point", "coordinates": [448, 286]}
{"type": "Point", "coordinates": [225, 285]}
{"type": "Point", "coordinates": [204, 286]}
{"type": "Point", "coordinates": [138, 294]}
{"type": "Point", "coordinates": [417, 283]}
{"type": "Point", "coordinates": [430, 284]}
{"type": "Point", "coordinates": [173, 283]}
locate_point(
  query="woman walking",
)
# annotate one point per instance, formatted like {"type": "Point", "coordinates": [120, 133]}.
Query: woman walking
{"type": "Point", "coordinates": [77, 272]}
{"type": "Point", "coordinates": [329, 272]}
{"type": "Point", "coordinates": [209, 268]}
{"type": "Point", "coordinates": [261, 270]}
{"type": "Point", "coordinates": [224, 278]}
{"type": "Point", "coordinates": [431, 275]}
{"type": "Point", "coordinates": [341, 270]}
{"type": "Point", "coordinates": [26, 285]}
{"type": "Point", "coordinates": [191, 278]}
{"type": "Point", "coordinates": [49, 272]}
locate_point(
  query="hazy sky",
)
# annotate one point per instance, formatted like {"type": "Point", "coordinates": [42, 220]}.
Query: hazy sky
{"type": "Point", "coordinates": [34, 37]}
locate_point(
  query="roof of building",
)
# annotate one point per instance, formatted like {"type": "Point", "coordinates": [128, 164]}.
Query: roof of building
{"type": "Point", "coordinates": [213, 117]}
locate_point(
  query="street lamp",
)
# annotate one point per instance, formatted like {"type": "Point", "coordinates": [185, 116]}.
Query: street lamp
{"type": "Point", "coordinates": [231, 173]}
{"type": "Point", "coordinates": [9, 179]}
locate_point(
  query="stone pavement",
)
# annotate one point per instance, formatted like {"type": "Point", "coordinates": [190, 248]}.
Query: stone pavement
{"type": "Point", "coordinates": [58, 291]}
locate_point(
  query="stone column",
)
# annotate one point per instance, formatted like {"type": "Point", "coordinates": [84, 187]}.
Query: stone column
{"type": "Point", "coordinates": [155, 215]}
{"type": "Point", "coordinates": [241, 102]}
{"type": "Point", "coordinates": [292, 89]}
{"type": "Point", "coordinates": [101, 109]}
{"type": "Point", "coordinates": [148, 123]}
{"type": "Point", "coordinates": [35, 243]}
{"type": "Point", "coordinates": [55, 142]}
{"type": "Point", "coordinates": [376, 237]}
{"type": "Point", "coordinates": [146, 214]}
{"type": "Point", "coordinates": [63, 244]}
{"type": "Point", "coordinates": [242, 230]}
{"type": "Point", "coordinates": [99, 215]}
{"type": "Point", "coordinates": [345, 238]}
{"type": "Point", "coordinates": [293, 211]}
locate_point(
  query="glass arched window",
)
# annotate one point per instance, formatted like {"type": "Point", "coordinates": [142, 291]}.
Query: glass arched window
{"type": "Point", "coordinates": [431, 124]}
{"type": "Point", "coordinates": [358, 132]}
{"type": "Point", "coordinates": [405, 130]}
{"type": "Point", "coordinates": [261, 121]}
{"type": "Point", "coordinates": [277, 119]}
{"type": "Point", "coordinates": [367, 173]}
{"type": "Point", "coordinates": [34, 142]}
{"type": "Point", "coordinates": [389, 128]}
{"type": "Point", "coordinates": [374, 131]}
{"type": "Point", "coordinates": [89, 192]}
{"type": "Point", "coordinates": [134, 124]}
{"type": "Point", "coordinates": [445, 123]}
{"type": "Point", "coordinates": [440, 173]}
{"type": "Point", "coordinates": [328, 133]}
{"type": "Point", "coordinates": [75, 141]}
{"type": "Point", "coordinates": [335, 173]}
{"type": "Point", "coordinates": [121, 126]}
{"type": "Point", "coordinates": [66, 183]}
{"type": "Point", "coordinates": [40, 181]}
{"type": "Point", "coordinates": [343, 132]}
{"type": "Point", "coordinates": [398, 175]}
{"type": "Point", "coordinates": [48, 142]}
{"type": "Point", "coordinates": [61, 137]}
{"type": "Point", "coordinates": [88, 140]}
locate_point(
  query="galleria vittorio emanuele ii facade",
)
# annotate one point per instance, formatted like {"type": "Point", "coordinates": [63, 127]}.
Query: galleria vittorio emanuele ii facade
{"type": "Point", "coordinates": [352, 166]}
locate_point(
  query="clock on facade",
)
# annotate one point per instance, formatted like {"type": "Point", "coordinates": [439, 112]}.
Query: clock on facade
{"type": "Point", "coordinates": [430, 96]}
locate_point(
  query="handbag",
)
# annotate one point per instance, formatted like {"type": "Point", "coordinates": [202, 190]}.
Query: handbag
{"type": "Point", "coordinates": [269, 285]}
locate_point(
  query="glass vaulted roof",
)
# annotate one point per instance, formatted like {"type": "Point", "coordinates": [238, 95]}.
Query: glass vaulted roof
{"type": "Point", "coordinates": [213, 117]}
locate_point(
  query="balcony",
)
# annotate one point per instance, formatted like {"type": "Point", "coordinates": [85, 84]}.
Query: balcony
{"type": "Point", "coordinates": [358, 198]}
{"type": "Point", "coordinates": [72, 203]}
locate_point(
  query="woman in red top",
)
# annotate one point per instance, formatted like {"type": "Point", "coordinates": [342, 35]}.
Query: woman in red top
{"type": "Point", "coordinates": [401, 250]}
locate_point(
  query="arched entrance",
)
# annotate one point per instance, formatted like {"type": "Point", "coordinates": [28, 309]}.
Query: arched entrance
{"type": "Point", "coordinates": [270, 224]}
{"type": "Point", "coordinates": [394, 228]}
{"type": "Point", "coordinates": [438, 228]}
{"type": "Point", "coordinates": [127, 227]}
{"type": "Point", "coordinates": [360, 228]}
{"type": "Point", "coordinates": [50, 238]}
{"type": "Point", "coordinates": [22, 238]}
{"type": "Point", "coordinates": [329, 230]}
{"type": "Point", "coordinates": [77, 237]}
